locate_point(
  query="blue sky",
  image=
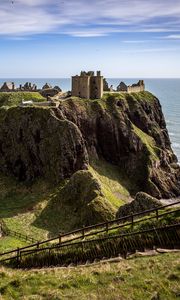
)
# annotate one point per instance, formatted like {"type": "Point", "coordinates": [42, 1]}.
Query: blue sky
{"type": "Point", "coordinates": [58, 38]}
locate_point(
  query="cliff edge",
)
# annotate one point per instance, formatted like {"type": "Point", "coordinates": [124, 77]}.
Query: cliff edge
{"type": "Point", "coordinates": [125, 130]}
{"type": "Point", "coordinates": [129, 131]}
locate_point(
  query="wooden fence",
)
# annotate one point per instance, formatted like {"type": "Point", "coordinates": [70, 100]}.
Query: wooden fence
{"type": "Point", "coordinates": [88, 232]}
{"type": "Point", "coordinates": [6, 231]}
{"type": "Point", "coordinates": [106, 246]}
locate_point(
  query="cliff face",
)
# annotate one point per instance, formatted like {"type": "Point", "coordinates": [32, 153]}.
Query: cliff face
{"type": "Point", "coordinates": [128, 131]}
{"type": "Point", "coordinates": [34, 142]}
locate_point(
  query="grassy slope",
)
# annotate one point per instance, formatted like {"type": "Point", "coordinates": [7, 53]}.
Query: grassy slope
{"type": "Point", "coordinates": [132, 279]}
{"type": "Point", "coordinates": [22, 205]}
{"type": "Point", "coordinates": [137, 278]}
{"type": "Point", "coordinates": [9, 242]}
{"type": "Point", "coordinates": [114, 184]}
{"type": "Point", "coordinates": [15, 98]}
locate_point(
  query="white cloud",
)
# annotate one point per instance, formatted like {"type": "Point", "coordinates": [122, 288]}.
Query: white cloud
{"type": "Point", "coordinates": [173, 36]}
{"type": "Point", "coordinates": [83, 18]}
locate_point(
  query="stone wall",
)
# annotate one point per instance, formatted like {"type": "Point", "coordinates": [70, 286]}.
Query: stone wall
{"type": "Point", "coordinates": [96, 87]}
{"type": "Point", "coordinates": [134, 88]}
{"type": "Point", "coordinates": [87, 85]}
{"type": "Point", "coordinates": [81, 86]}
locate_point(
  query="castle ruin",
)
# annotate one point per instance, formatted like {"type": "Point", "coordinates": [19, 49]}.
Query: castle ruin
{"type": "Point", "coordinates": [88, 85]}
{"type": "Point", "coordinates": [134, 88]}
{"type": "Point", "coordinates": [47, 89]}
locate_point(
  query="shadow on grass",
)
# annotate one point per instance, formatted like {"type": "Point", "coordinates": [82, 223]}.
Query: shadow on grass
{"type": "Point", "coordinates": [17, 198]}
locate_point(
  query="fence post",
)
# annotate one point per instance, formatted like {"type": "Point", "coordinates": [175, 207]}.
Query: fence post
{"type": "Point", "coordinates": [37, 245]}
{"type": "Point", "coordinates": [132, 220]}
{"type": "Point", "coordinates": [49, 254]}
{"type": "Point", "coordinates": [18, 255]}
{"type": "Point", "coordinates": [82, 246]}
{"type": "Point", "coordinates": [83, 232]}
{"type": "Point", "coordinates": [59, 239]}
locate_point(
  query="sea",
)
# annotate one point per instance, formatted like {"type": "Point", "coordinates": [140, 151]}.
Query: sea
{"type": "Point", "coordinates": [166, 90]}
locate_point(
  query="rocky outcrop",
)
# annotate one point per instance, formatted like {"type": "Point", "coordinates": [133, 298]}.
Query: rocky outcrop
{"type": "Point", "coordinates": [81, 202]}
{"type": "Point", "coordinates": [129, 131]}
{"type": "Point", "coordinates": [34, 143]}
{"type": "Point", "coordinates": [51, 92]}
{"type": "Point", "coordinates": [142, 202]}
{"type": "Point", "coordinates": [126, 130]}
{"type": "Point", "coordinates": [105, 85]}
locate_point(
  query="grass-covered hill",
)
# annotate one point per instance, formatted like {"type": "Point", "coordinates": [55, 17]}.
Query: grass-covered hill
{"type": "Point", "coordinates": [8, 99]}
{"type": "Point", "coordinates": [62, 168]}
{"type": "Point", "coordinates": [41, 209]}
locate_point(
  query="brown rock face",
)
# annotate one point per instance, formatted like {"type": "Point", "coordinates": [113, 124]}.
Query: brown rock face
{"type": "Point", "coordinates": [34, 142]}
{"type": "Point", "coordinates": [126, 130]}
{"type": "Point", "coordinates": [129, 131]}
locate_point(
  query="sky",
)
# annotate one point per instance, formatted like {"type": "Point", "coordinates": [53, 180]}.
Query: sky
{"type": "Point", "coordinates": [59, 38]}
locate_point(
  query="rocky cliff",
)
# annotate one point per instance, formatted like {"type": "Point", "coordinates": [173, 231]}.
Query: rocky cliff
{"type": "Point", "coordinates": [35, 143]}
{"type": "Point", "coordinates": [128, 131]}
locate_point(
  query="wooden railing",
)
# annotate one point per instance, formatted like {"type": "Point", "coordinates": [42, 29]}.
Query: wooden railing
{"type": "Point", "coordinates": [7, 231]}
{"type": "Point", "coordinates": [167, 236]}
{"type": "Point", "coordinates": [90, 231]}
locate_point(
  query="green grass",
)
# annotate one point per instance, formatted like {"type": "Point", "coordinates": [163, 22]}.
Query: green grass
{"type": "Point", "coordinates": [148, 141]}
{"type": "Point", "coordinates": [40, 210]}
{"type": "Point", "coordinates": [114, 182]}
{"type": "Point", "coordinates": [21, 204]}
{"type": "Point", "coordinates": [81, 201]}
{"type": "Point", "coordinates": [7, 243]}
{"type": "Point", "coordinates": [15, 98]}
{"type": "Point", "coordinates": [133, 279]}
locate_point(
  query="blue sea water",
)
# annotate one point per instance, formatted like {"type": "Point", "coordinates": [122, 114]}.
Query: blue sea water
{"type": "Point", "coordinates": [167, 90]}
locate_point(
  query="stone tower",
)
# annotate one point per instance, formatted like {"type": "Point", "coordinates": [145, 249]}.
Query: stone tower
{"type": "Point", "coordinates": [88, 85]}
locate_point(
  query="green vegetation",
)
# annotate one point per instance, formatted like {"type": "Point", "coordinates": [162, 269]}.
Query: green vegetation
{"type": "Point", "coordinates": [148, 141]}
{"type": "Point", "coordinates": [80, 202]}
{"type": "Point", "coordinates": [144, 96]}
{"type": "Point", "coordinates": [20, 204]}
{"type": "Point", "coordinates": [10, 99]}
{"type": "Point", "coordinates": [143, 278]}
{"type": "Point", "coordinates": [40, 210]}
{"type": "Point", "coordinates": [107, 244]}
{"type": "Point", "coordinates": [114, 184]}
{"type": "Point", "coordinates": [9, 242]}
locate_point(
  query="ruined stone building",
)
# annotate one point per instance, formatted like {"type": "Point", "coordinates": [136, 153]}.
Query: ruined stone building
{"type": "Point", "coordinates": [8, 87]}
{"type": "Point", "coordinates": [134, 88]}
{"type": "Point", "coordinates": [28, 87]}
{"type": "Point", "coordinates": [47, 86]}
{"type": "Point", "coordinates": [88, 85]}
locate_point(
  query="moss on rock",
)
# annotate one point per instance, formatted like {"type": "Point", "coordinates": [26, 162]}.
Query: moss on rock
{"type": "Point", "coordinates": [142, 202]}
{"type": "Point", "coordinates": [129, 131]}
{"type": "Point", "coordinates": [80, 202]}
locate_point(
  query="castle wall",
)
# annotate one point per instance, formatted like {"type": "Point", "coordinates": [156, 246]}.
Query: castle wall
{"type": "Point", "coordinates": [87, 85]}
{"type": "Point", "coordinates": [96, 87]}
{"type": "Point", "coordinates": [81, 86]}
{"type": "Point", "coordinates": [135, 89]}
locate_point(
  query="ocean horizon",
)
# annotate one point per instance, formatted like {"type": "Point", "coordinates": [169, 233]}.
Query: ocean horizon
{"type": "Point", "coordinates": [167, 90]}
